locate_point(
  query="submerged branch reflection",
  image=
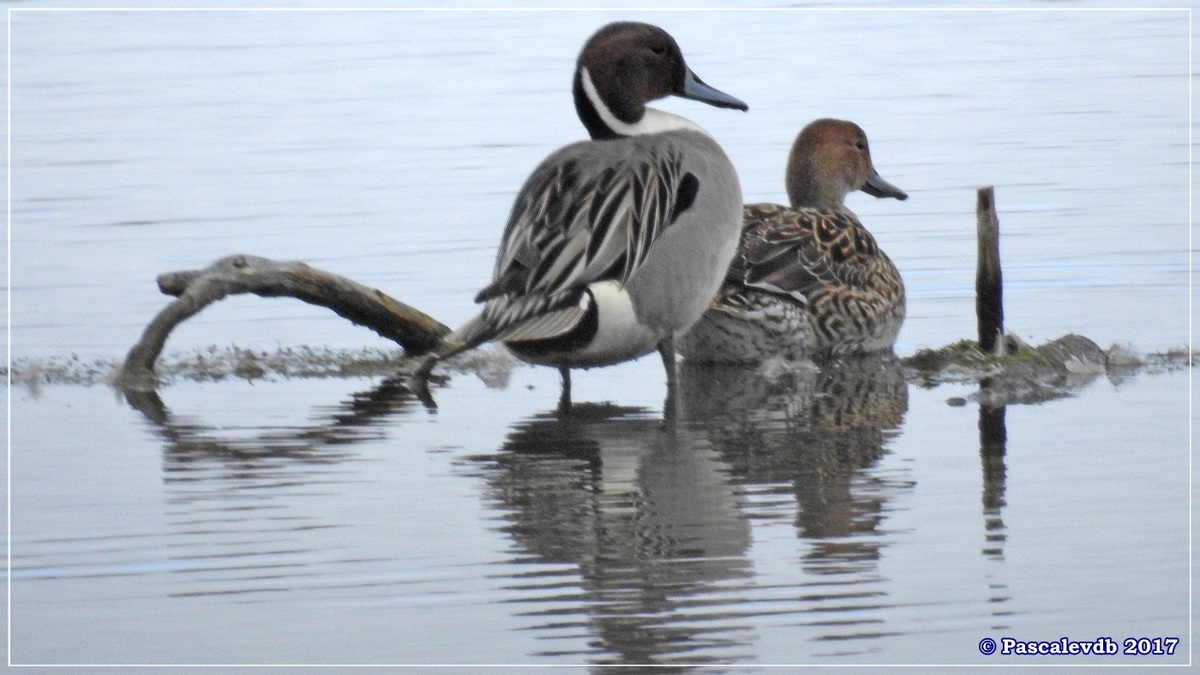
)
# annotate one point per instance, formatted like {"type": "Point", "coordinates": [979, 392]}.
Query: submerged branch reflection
{"type": "Point", "coordinates": [234, 505]}
{"type": "Point", "coordinates": [187, 439]}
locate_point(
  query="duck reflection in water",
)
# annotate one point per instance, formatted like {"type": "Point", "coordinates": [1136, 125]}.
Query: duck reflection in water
{"type": "Point", "coordinates": [816, 427]}
{"type": "Point", "coordinates": [650, 518]}
{"type": "Point", "coordinates": [655, 518]}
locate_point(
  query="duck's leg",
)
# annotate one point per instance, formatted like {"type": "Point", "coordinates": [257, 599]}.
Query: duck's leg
{"type": "Point", "coordinates": [666, 349]}
{"type": "Point", "coordinates": [564, 399]}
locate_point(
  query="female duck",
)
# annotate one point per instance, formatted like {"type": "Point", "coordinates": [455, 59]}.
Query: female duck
{"type": "Point", "coordinates": [807, 281]}
{"type": "Point", "coordinates": [615, 245]}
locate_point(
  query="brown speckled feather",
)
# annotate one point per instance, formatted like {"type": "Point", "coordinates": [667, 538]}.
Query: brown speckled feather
{"type": "Point", "coordinates": [808, 280]}
{"type": "Point", "coordinates": [824, 261]}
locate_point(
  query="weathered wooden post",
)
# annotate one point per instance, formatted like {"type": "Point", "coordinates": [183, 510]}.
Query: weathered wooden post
{"type": "Point", "coordinates": [989, 290]}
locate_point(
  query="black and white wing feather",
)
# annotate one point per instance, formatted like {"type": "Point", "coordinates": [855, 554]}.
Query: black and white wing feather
{"type": "Point", "coordinates": [575, 222]}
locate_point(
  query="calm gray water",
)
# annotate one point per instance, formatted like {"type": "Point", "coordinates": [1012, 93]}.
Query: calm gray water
{"type": "Point", "coordinates": [841, 518]}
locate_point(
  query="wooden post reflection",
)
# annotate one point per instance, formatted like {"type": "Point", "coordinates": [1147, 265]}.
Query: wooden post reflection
{"type": "Point", "coordinates": [992, 439]}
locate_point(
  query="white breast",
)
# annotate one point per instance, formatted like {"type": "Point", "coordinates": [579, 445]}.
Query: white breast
{"type": "Point", "coordinates": [619, 337]}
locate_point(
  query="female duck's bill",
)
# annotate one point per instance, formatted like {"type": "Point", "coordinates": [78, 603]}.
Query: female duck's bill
{"type": "Point", "coordinates": [808, 281]}
{"type": "Point", "coordinates": [615, 245]}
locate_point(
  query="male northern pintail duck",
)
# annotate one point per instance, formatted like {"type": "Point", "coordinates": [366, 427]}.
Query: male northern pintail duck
{"type": "Point", "coordinates": [808, 281]}
{"type": "Point", "coordinates": [615, 245]}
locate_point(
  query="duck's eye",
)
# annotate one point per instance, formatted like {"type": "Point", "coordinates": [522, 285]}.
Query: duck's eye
{"type": "Point", "coordinates": [861, 145]}
{"type": "Point", "coordinates": [659, 50]}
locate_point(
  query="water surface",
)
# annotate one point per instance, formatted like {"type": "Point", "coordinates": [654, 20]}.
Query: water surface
{"type": "Point", "coordinates": [834, 517]}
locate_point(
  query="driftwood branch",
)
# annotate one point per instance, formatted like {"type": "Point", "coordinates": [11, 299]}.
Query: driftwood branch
{"type": "Point", "coordinates": [413, 330]}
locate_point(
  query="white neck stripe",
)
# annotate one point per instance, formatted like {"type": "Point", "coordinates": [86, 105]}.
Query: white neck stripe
{"type": "Point", "coordinates": [654, 121]}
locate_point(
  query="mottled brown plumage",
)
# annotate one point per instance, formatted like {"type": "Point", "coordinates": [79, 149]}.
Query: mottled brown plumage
{"type": "Point", "coordinates": [809, 280]}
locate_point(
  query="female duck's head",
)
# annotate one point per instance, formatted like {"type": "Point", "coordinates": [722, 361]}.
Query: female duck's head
{"type": "Point", "coordinates": [829, 160]}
